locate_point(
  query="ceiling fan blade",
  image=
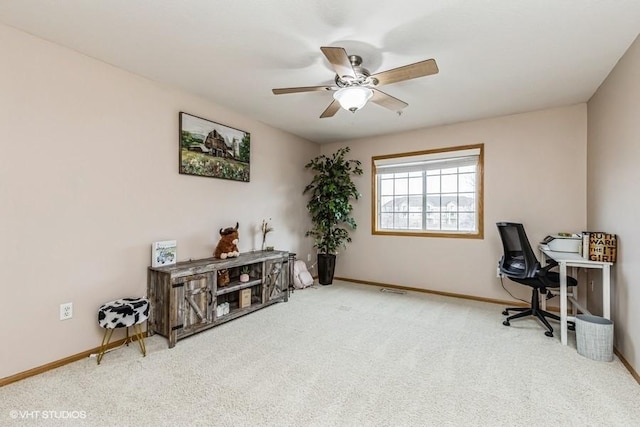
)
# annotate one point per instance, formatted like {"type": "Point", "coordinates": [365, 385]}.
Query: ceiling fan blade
{"type": "Point", "coordinates": [412, 71]}
{"type": "Point", "coordinates": [338, 57]}
{"type": "Point", "coordinates": [331, 110]}
{"type": "Point", "coordinates": [387, 101]}
{"type": "Point", "coordinates": [285, 90]}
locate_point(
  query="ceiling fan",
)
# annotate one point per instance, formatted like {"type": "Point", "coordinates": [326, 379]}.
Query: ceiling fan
{"type": "Point", "coordinates": [354, 85]}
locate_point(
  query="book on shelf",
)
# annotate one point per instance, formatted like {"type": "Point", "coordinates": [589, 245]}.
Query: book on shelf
{"type": "Point", "coordinates": [599, 246]}
{"type": "Point", "coordinates": [585, 245]}
{"type": "Point", "coordinates": [164, 253]}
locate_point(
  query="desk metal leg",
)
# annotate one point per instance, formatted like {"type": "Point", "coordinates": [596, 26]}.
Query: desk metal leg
{"type": "Point", "coordinates": [563, 303]}
{"type": "Point", "coordinates": [606, 291]}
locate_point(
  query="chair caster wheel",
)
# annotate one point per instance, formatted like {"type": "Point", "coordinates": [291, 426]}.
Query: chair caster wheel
{"type": "Point", "coordinates": [549, 334]}
{"type": "Point", "coordinates": [505, 313]}
{"type": "Point", "coordinates": [506, 323]}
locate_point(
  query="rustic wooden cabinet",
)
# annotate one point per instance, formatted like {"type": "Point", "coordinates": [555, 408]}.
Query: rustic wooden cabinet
{"type": "Point", "coordinates": [192, 296]}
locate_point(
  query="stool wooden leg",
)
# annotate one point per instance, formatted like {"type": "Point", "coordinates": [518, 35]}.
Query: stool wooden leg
{"type": "Point", "coordinates": [137, 330]}
{"type": "Point", "coordinates": [105, 342]}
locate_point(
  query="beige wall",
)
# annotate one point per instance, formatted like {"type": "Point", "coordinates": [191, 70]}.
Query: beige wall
{"type": "Point", "coordinates": [88, 179]}
{"type": "Point", "coordinates": [613, 205]}
{"type": "Point", "coordinates": [535, 173]}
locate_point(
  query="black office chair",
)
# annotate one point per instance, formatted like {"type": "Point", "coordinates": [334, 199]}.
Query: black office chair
{"type": "Point", "coordinates": [519, 263]}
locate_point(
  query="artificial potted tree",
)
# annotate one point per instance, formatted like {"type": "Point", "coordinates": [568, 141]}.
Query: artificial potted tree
{"type": "Point", "coordinates": [331, 192]}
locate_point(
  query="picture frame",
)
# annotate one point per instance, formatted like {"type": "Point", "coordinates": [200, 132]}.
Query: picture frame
{"type": "Point", "coordinates": [164, 253]}
{"type": "Point", "coordinates": [213, 150]}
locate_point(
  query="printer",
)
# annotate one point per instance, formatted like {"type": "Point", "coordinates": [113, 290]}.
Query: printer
{"type": "Point", "coordinates": [564, 242]}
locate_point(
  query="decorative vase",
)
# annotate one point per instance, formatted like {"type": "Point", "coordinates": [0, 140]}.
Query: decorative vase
{"type": "Point", "coordinates": [244, 278]}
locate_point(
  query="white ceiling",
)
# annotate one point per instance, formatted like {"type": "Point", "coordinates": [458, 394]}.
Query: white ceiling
{"type": "Point", "coordinates": [495, 56]}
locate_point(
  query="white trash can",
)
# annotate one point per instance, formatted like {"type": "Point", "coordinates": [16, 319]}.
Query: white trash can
{"type": "Point", "coordinates": [594, 337]}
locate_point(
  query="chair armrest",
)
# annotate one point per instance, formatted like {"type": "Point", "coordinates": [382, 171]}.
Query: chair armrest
{"type": "Point", "coordinates": [551, 263]}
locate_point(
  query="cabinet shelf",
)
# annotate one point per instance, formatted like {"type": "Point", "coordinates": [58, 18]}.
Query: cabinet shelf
{"type": "Point", "coordinates": [237, 285]}
{"type": "Point", "coordinates": [239, 312]}
{"type": "Point", "coordinates": [184, 297]}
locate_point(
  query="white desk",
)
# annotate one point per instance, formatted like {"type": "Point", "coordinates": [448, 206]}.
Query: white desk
{"type": "Point", "coordinates": [566, 259]}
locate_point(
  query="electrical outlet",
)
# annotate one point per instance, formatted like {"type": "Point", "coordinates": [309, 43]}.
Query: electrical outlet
{"type": "Point", "coordinates": [66, 311]}
{"type": "Point", "coordinates": [308, 257]}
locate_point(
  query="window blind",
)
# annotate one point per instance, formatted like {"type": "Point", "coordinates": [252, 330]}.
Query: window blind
{"type": "Point", "coordinates": [425, 162]}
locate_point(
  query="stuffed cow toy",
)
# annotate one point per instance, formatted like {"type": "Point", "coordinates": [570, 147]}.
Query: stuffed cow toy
{"type": "Point", "coordinates": [227, 246]}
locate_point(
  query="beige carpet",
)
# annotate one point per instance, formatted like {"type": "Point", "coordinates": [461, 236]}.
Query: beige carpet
{"type": "Point", "coordinates": [340, 355]}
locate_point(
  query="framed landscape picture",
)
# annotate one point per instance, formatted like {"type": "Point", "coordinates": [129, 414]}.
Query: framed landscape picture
{"type": "Point", "coordinates": [213, 150]}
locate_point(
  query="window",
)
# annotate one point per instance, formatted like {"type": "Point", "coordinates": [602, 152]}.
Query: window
{"type": "Point", "coordinates": [429, 193]}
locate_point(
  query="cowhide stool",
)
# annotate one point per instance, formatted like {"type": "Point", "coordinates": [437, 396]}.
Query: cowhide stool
{"type": "Point", "coordinates": [123, 313]}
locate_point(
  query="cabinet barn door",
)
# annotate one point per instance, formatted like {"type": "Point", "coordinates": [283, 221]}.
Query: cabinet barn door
{"type": "Point", "coordinates": [276, 278]}
{"type": "Point", "coordinates": [194, 305]}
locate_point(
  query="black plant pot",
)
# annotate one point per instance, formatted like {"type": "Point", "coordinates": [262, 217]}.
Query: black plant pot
{"type": "Point", "coordinates": [326, 268]}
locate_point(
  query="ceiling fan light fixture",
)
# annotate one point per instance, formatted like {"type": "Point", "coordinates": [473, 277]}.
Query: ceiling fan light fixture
{"type": "Point", "coordinates": [353, 98]}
